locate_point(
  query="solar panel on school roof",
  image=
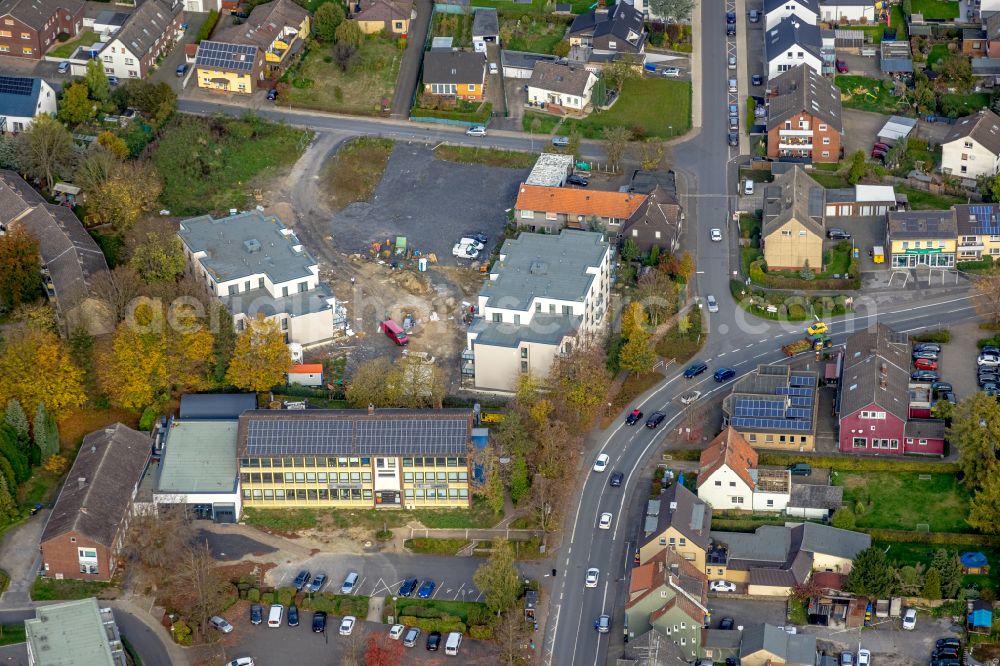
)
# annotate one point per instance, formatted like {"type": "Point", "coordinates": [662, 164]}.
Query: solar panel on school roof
{"type": "Point", "coordinates": [342, 437]}
{"type": "Point", "coordinates": [16, 85]}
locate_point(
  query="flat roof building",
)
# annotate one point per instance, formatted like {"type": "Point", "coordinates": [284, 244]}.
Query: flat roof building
{"type": "Point", "coordinates": [198, 469]}
{"type": "Point", "coordinates": [74, 633]}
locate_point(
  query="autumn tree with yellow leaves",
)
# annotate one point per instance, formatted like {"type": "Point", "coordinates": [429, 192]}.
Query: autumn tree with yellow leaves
{"type": "Point", "coordinates": [36, 366]}
{"type": "Point", "coordinates": [260, 358]}
{"type": "Point", "coordinates": [157, 352]}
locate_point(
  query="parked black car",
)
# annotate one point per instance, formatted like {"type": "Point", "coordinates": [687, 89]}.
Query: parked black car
{"type": "Point", "coordinates": [727, 623]}
{"type": "Point", "coordinates": [952, 642]}
{"type": "Point", "coordinates": [734, 139]}
{"type": "Point", "coordinates": [655, 419]}
{"type": "Point", "coordinates": [256, 614]}
{"type": "Point", "coordinates": [408, 586]}
{"type": "Point", "coordinates": [731, 17]}
{"type": "Point", "coordinates": [927, 346]}
{"type": "Point", "coordinates": [757, 80]}
{"type": "Point", "coordinates": [301, 580]}
{"type": "Point", "coordinates": [293, 616]}
{"type": "Point", "coordinates": [434, 641]}
{"type": "Point", "coordinates": [942, 387]}
{"type": "Point", "coordinates": [924, 376]}
{"type": "Point", "coordinates": [577, 180]}
{"type": "Point", "coordinates": [319, 622]}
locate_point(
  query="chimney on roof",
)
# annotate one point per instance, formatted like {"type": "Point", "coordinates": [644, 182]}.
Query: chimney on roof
{"type": "Point", "coordinates": [371, 409]}
{"type": "Point", "coordinates": [673, 506]}
{"type": "Point", "coordinates": [81, 482]}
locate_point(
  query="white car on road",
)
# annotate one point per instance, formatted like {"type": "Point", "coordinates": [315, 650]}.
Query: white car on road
{"type": "Point", "coordinates": [722, 586]}
{"type": "Point", "coordinates": [477, 130]}
{"type": "Point", "coordinates": [716, 235]}
{"type": "Point", "coordinates": [713, 305]}
{"type": "Point", "coordinates": [601, 463]}
{"type": "Point", "coordinates": [605, 522]}
{"type": "Point", "coordinates": [593, 575]}
{"type": "Point", "coordinates": [464, 251]}
{"type": "Point", "coordinates": [690, 397]}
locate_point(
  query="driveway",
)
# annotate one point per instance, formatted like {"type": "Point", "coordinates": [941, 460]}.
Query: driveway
{"type": "Point", "coordinates": [167, 71]}
{"type": "Point", "coordinates": [21, 559]}
{"type": "Point", "coordinates": [431, 202]}
{"type": "Point", "coordinates": [958, 359]}
{"type": "Point", "coordinates": [746, 611]}
{"type": "Point", "coordinates": [409, 68]}
{"type": "Point", "coordinates": [860, 130]}
{"type": "Point", "coordinates": [889, 644]}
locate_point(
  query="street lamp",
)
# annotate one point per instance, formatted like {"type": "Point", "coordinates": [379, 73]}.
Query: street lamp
{"type": "Point", "coordinates": [670, 129]}
{"type": "Point", "coordinates": [394, 618]}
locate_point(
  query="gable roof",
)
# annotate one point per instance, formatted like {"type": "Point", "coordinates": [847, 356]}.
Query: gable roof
{"type": "Point", "coordinates": [826, 540]}
{"type": "Point", "coordinates": [560, 78]}
{"type": "Point", "coordinates": [789, 649]}
{"type": "Point", "coordinates": [729, 449]}
{"type": "Point", "coordinates": [814, 496]}
{"type": "Point", "coordinates": [992, 26]}
{"type": "Point", "coordinates": [683, 511]}
{"type": "Point", "coordinates": [147, 24]}
{"type": "Point", "coordinates": [791, 31]}
{"type": "Point", "coordinates": [578, 203]}
{"type": "Point", "coordinates": [982, 127]}
{"type": "Point", "coordinates": [99, 486]}
{"type": "Point", "coordinates": [668, 574]}
{"type": "Point", "coordinates": [305, 368]}
{"type": "Point", "coordinates": [36, 13]}
{"type": "Point", "coordinates": [794, 194]}
{"type": "Point", "coordinates": [923, 224]}
{"type": "Point", "coordinates": [67, 250]}
{"type": "Point", "coordinates": [454, 67]}
{"type": "Point", "coordinates": [622, 21]}
{"type": "Point", "coordinates": [264, 24]}
{"type": "Point", "coordinates": [19, 96]}
{"type": "Point", "coordinates": [771, 5]}
{"type": "Point", "coordinates": [382, 10]}
{"type": "Point", "coordinates": [803, 89]}
{"type": "Point", "coordinates": [227, 56]}
{"type": "Point", "coordinates": [876, 370]}
{"type": "Point", "coordinates": [978, 219]}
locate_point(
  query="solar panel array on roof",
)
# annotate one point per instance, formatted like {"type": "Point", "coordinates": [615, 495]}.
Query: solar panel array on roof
{"type": "Point", "coordinates": [760, 408]}
{"type": "Point", "coordinates": [222, 55]}
{"type": "Point", "coordinates": [412, 437]}
{"type": "Point", "coordinates": [769, 424]}
{"type": "Point", "coordinates": [793, 390]}
{"type": "Point", "coordinates": [802, 380]}
{"type": "Point", "coordinates": [985, 219]}
{"type": "Point", "coordinates": [276, 438]}
{"type": "Point", "coordinates": [16, 85]}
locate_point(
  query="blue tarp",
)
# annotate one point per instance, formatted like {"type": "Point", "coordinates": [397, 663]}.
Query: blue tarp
{"type": "Point", "coordinates": [981, 618]}
{"type": "Point", "coordinates": [973, 560]}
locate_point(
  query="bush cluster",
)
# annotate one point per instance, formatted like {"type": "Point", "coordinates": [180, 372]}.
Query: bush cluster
{"type": "Point", "coordinates": [859, 464]}
{"type": "Point", "coordinates": [445, 625]}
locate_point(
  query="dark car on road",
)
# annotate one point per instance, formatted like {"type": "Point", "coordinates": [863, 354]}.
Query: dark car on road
{"type": "Point", "coordinates": [426, 590]}
{"type": "Point", "coordinates": [655, 419]}
{"type": "Point", "coordinates": [727, 623]}
{"type": "Point", "coordinates": [616, 480]}
{"type": "Point", "coordinates": [730, 29]}
{"type": "Point", "coordinates": [301, 580]}
{"type": "Point", "coordinates": [734, 139]}
{"type": "Point", "coordinates": [408, 586]}
{"type": "Point", "coordinates": [924, 376]}
{"type": "Point", "coordinates": [182, 69]}
{"type": "Point", "coordinates": [434, 641]}
{"type": "Point", "coordinates": [579, 181]}
{"type": "Point", "coordinates": [317, 583]}
{"type": "Point", "coordinates": [695, 369]}
{"type": "Point", "coordinates": [256, 614]}
{"type": "Point", "coordinates": [731, 17]}
{"type": "Point", "coordinates": [293, 616]}
{"type": "Point", "coordinates": [927, 346]}
{"type": "Point", "coordinates": [951, 642]}
{"type": "Point", "coordinates": [319, 622]}
{"type": "Point", "coordinates": [754, 15]}
{"type": "Point", "coordinates": [722, 374]}
{"type": "Point", "coordinates": [633, 417]}
{"type": "Point", "coordinates": [757, 80]}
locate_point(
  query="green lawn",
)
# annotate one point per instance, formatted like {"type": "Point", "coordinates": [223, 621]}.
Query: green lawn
{"type": "Point", "coordinates": [902, 501]}
{"type": "Point", "coordinates": [938, 52]}
{"type": "Point", "coordinates": [282, 520]}
{"type": "Point", "coordinates": [536, 6]}
{"type": "Point", "coordinates": [649, 107]}
{"type": "Point", "coordinates": [430, 546]}
{"type": "Point", "coordinates": [66, 49]}
{"type": "Point", "coordinates": [459, 609]}
{"type": "Point", "coordinates": [511, 159]}
{"type": "Point", "coordinates": [829, 180]}
{"type": "Point", "coordinates": [912, 554]}
{"type": "Point", "coordinates": [921, 200]}
{"type": "Point", "coordinates": [317, 82]}
{"type": "Point", "coordinates": [11, 634]}
{"type": "Point", "coordinates": [209, 164]}
{"type": "Point", "coordinates": [50, 589]}
{"type": "Point", "coordinates": [546, 123]}
{"type": "Point", "coordinates": [865, 94]}
{"type": "Point", "coordinates": [535, 34]}
{"type": "Point", "coordinates": [943, 10]}
{"type": "Point", "coordinates": [963, 104]}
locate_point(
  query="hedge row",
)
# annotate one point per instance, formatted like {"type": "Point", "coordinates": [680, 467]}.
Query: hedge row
{"type": "Point", "coordinates": [859, 463]}
{"type": "Point", "coordinates": [935, 538]}
{"type": "Point", "coordinates": [481, 632]}
{"type": "Point", "coordinates": [940, 336]}
{"type": "Point", "coordinates": [434, 624]}
{"type": "Point", "coordinates": [685, 454]}
{"type": "Point", "coordinates": [982, 265]}
{"type": "Point", "coordinates": [206, 28]}
{"type": "Point", "coordinates": [730, 525]}
{"type": "Point", "coordinates": [336, 604]}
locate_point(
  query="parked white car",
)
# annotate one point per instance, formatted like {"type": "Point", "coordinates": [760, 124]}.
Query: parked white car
{"type": "Point", "coordinates": [396, 631]}
{"type": "Point", "coordinates": [464, 251]}
{"type": "Point", "coordinates": [722, 586]}
{"type": "Point", "coordinates": [864, 657]}
{"type": "Point", "coordinates": [347, 625]}
{"type": "Point", "coordinates": [605, 522]}
{"type": "Point", "coordinates": [910, 619]}
{"type": "Point", "coordinates": [593, 575]}
{"type": "Point", "coordinates": [988, 359]}
{"type": "Point", "coordinates": [471, 242]}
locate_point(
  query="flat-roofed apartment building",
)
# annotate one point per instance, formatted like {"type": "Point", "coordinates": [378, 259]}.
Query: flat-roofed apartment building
{"type": "Point", "coordinates": [353, 458]}
{"type": "Point", "coordinates": [74, 632]}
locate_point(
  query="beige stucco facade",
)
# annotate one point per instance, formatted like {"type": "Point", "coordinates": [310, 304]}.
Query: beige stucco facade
{"type": "Point", "coordinates": [306, 329]}
{"type": "Point", "coordinates": [833, 563]}
{"type": "Point", "coordinates": [779, 440]}
{"type": "Point", "coordinates": [791, 245]}
{"type": "Point", "coordinates": [768, 591]}
{"type": "Point", "coordinates": [680, 545]}
{"type": "Point", "coordinates": [498, 368]}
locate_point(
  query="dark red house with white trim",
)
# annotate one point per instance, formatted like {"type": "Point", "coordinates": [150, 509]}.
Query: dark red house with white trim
{"type": "Point", "coordinates": [874, 398]}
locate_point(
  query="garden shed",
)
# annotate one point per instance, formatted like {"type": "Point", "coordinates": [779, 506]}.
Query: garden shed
{"type": "Point", "coordinates": [974, 563]}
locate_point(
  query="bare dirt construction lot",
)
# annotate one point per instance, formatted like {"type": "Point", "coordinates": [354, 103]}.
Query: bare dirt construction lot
{"type": "Point", "coordinates": [431, 202]}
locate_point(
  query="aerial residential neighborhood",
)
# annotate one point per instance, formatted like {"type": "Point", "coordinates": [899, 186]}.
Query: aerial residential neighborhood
{"type": "Point", "coordinates": [388, 332]}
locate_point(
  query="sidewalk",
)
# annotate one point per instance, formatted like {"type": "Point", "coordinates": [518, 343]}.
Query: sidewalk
{"type": "Point", "coordinates": [21, 557]}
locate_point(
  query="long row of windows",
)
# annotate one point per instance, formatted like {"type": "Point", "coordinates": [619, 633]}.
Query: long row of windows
{"type": "Point", "coordinates": [306, 477]}
{"type": "Point", "coordinates": [325, 461]}
{"type": "Point", "coordinates": [348, 495]}
{"type": "Point", "coordinates": [421, 477]}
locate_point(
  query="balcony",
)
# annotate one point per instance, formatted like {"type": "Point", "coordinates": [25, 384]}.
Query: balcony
{"type": "Point", "coordinates": [795, 142]}
{"type": "Point", "coordinates": [970, 245]}
{"type": "Point", "coordinates": [795, 133]}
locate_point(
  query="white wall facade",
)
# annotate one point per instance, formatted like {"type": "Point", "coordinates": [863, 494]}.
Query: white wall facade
{"type": "Point", "coordinates": [770, 501]}
{"type": "Point", "coordinates": [967, 158]}
{"type": "Point", "coordinates": [789, 8]}
{"type": "Point", "coordinates": [724, 489]}
{"type": "Point", "coordinates": [574, 102]}
{"type": "Point", "coordinates": [45, 105]}
{"type": "Point", "coordinates": [120, 61]}
{"type": "Point", "coordinates": [233, 498]}
{"type": "Point", "coordinates": [835, 13]}
{"type": "Point", "coordinates": [797, 55]}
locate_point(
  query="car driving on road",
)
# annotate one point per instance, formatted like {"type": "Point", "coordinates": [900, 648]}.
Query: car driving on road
{"type": "Point", "coordinates": [689, 397]}
{"type": "Point", "coordinates": [716, 235]}
{"type": "Point", "coordinates": [695, 369]}
{"type": "Point", "coordinates": [477, 130]}
{"type": "Point", "coordinates": [655, 419]}
{"type": "Point", "coordinates": [601, 463]}
{"type": "Point", "coordinates": [713, 305]}
{"type": "Point", "coordinates": [722, 374]}
{"type": "Point", "coordinates": [633, 417]}
{"type": "Point", "coordinates": [605, 522]}
{"type": "Point", "coordinates": [616, 480]}
{"type": "Point", "coordinates": [593, 575]}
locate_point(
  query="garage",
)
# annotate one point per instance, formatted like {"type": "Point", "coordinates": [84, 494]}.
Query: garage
{"type": "Point", "coordinates": [520, 64]}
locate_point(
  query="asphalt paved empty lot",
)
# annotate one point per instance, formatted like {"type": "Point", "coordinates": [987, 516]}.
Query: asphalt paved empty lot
{"type": "Point", "coordinates": [431, 202]}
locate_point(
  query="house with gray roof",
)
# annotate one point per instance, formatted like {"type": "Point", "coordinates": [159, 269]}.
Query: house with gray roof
{"type": "Point", "coordinates": [32, 27]}
{"type": "Point", "coordinates": [564, 87]}
{"type": "Point", "coordinates": [486, 26]}
{"type": "Point", "coordinates": [972, 147]}
{"type": "Point", "coordinates": [895, 57]}
{"type": "Point", "coordinates": [149, 33]}
{"type": "Point", "coordinates": [545, 296]}
{"type": "Point", "coordinates": [70, 255]}
{"type": "Point", "coordinates": [776, 10]}
{"type": "Point", "coordinates": [764, 644]}
{"type": "Point", "coordinates": [682, 523]}
{"type": "Point", "coordinates": [78, 632]}
{"type": "Point", "coordinates": [520, 64]}
{"type": "Point", "coordinates": [804, 117]}
{"type": "Point", "coordinates": [255, 265]}
{"type": "Point", "coordinates": [86, 530]}
{"type": "Point", "coordinates": [793, 227]}
{"type": "Point", "coordinates": [874, 392]}
{"type": "Point", "coordinates": [22, 99]}
{"type": "Point", "coordinates": [790, 42]}
{"type": "Point", "coordinates": [458, 74]}
{"type": "Point", "coordinates": [618, 30]}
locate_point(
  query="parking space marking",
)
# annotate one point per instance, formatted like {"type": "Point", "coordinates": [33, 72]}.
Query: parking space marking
{"type": "Point", "coordinates": [357, 588]}
{"type": "Point", "coordinates": [385, 586]}
{"type": "Point", "coordinates": [436, 590]}
{"type": "Point", "coordinates": [459, 592]}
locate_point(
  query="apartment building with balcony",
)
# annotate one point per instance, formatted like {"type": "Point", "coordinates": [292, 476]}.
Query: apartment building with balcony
{"type": "Point", "coordinates": [355, 458]}
{"type": "Point", "coordinates": [804, 117]}
{"type": "Point", "coordinates": [978, 231]}
{"type": "Point", "coordinates": [147, 34]}
{"type": "Point", "coordinates": [792, 41]}
{"type": "Point", "coordinates": [546, 295]}
{"type": "Point", "coordinates": [972, 147]}
{"type": "Point", "coordinates": [278, 29]}
{"type": "Point", "coordinates": [254, 264]}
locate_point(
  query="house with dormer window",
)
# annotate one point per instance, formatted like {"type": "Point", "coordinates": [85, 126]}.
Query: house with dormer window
{"type": "Point", "coordinates": [148, 33]}
{"type": "Point", "coordinates": [608, 31]}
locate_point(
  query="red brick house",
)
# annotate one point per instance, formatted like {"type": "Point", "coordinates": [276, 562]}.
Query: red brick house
{"type": "Point", "coordinates": [874, 398]}
{"type": "Point", "coordinates": [803, 117]}
{"type": "Point", "coordinates": [86, 530]}
{"type": "Point", "coordinates": [28, 28]}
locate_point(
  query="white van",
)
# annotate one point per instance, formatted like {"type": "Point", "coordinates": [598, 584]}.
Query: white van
{"type": "Point", "coordinates": [349, 583]}
{"type": "Point", "coordinates": [454, 642]}
{"type": "Point", "coordinates": [748, 186]}
{"type": "Point", "coordinates": [274, 615]}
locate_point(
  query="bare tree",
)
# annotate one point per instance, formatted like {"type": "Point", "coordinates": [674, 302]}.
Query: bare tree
{"type": "Point", "coordinates": [157, 535]}
{"type": "Point", "coordinates": [615, 142]}
{"type": "Point", "coordinates": [988, 295]}
{"type": "Point", "coordinates": [203, 583]}
{"type": "Point", "coordinates": [117, 289]}
{"type": "Point", "coordinates": [510, 637]}
{"type": "Point", "coordinates": [354, 647]}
